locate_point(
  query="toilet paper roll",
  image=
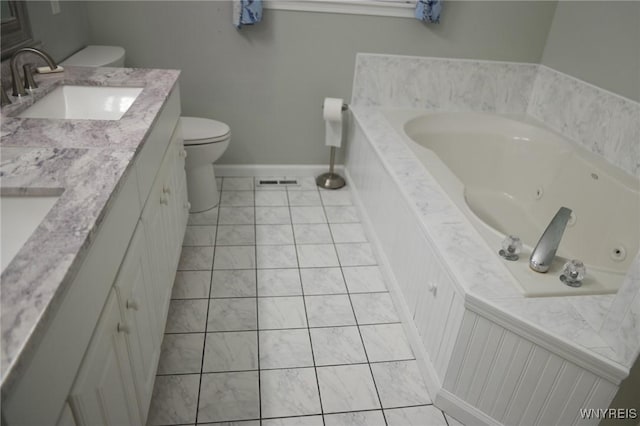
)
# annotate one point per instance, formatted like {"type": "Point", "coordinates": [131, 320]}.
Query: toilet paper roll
{"type": "Point", "coordinates": [332, 114]}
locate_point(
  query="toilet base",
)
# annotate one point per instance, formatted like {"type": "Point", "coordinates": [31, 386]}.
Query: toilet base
{"type": "Point", "coordinates": [202, 189]}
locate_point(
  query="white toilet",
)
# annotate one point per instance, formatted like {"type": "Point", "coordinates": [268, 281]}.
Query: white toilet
{"type": "Point", "coordinates": [205, 140]}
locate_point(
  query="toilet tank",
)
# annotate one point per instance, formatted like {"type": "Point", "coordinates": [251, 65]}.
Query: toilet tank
{"type": "Point", "coordinates": [97, 56]}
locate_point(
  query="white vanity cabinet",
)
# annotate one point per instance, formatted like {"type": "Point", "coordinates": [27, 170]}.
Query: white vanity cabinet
{"type": "Point", "coordinates": [97, 360]}
{"type": "Point", "coordinates": [144, 283]}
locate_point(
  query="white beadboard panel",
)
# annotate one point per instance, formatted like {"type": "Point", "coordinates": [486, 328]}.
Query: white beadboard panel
{"type": "Point", "coordinates": [475, 347]}
{"type": "Point", "coordinates": [496, 375]}
{"type": "Point", "coordinates": [601, 397]}
{"type": "Point", "coordinates": [546, 380]}
{"type": "Point", "coordinates": [525, 391]}
{"type": "Point", "coordinates": [454, 319]}
{"type": "Point", "coordinates": [469, 321]}
{"type": "Point", "coordinates": [583, 388]}
{"type": "Point", "coordinates": [516, 382]}
{"type": "Point", "coordinates": [557, 399]}
{"type": "Point", "coordinates": [486, 364]}
{"type": "Point", "coordinates": [520, 357]}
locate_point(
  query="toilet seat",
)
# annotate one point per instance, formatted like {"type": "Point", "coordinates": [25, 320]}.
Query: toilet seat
{"type": "Point", "coordinates": [202, 131]}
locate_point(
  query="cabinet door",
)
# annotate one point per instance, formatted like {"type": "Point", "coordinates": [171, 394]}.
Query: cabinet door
{"type": "Point", "coordinates": [136, 293]}
{"type": "Point", "coordinates": [180, 179]}
{"type": "Point", "coordinates": [181, 176]}
{"type": "Point", "coordinates": [157, 236]}
{"type": "Point", "coordinates": [104, 392]}
{"type": "Point", "coordinates": [178, 201]}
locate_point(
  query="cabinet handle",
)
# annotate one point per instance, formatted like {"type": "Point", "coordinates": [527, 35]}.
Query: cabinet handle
{"type": "Point", "coordinates": [187, 205]}
{"type": "Point", "coordinates": [164, 200]}
{"type": "Point", "coordinates": [132, 304]}
{"type": "Point", "coordinates": [433, 288]}
{"type": "Point", "coordinates": [166, 189]}
{"type": "Point", "coordinates": [183, 153]}
{"type": "Point", "coordinates": [123, 328]}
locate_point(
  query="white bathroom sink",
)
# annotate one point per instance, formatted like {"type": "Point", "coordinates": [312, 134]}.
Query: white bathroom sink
{"type": "Point", "coordinates": [84, 102]}
{"type": "Point", "coordinates": [19, 217]}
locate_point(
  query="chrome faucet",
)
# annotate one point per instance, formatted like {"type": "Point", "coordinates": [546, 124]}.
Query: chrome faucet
{"type": "Point", "coordinates": [545, 251]}
{"type": "Point", "coordinates": [16, 81]}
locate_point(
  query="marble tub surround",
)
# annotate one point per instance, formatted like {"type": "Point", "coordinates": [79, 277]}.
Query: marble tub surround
{"type": "Point", "coordinates": [569, 325]}
{"type": "Point", "coordinates": [621, 326]}
{"type": "Point", "coordinates": [87, 162]}
{"type": "Point", "coordinates": [596, 119]}
{"type": "Point", "coordinates": [602, 122]}
{"type": "Point", "coordinates": [442, 84]}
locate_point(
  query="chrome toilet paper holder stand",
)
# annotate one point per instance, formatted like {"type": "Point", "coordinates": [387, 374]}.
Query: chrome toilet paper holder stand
{"type": "Point", "coordinates": [332, 180]}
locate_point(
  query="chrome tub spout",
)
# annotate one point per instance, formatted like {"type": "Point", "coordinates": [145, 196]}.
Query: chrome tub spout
{"type": "Point", "coordinates": [545, 251]}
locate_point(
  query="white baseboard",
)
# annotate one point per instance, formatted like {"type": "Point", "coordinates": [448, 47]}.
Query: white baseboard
{"type": "Point", "coordinates": [461, 410]}
{"type": "Point", "coordinates": [288, 170]}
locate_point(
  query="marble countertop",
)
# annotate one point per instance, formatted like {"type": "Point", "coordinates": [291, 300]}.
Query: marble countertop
{"type": "Point", "coordinates": [83, 161]}
{"type": "Point", "coordinates": [569, 324]}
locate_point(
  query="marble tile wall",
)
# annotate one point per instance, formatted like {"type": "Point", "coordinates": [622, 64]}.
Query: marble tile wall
{"type": "Point", "coordinates": [442, 84]}
{"type": "Point", "coordinates": [602, 122]}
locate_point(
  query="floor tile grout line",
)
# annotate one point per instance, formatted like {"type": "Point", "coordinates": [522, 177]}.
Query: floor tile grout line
{"type": "Point", "coordinates": [306, 315]}
{"type": "Point", "coordinates": [275, 295]}
{"type": "Point", "coordinates": [375, 385]}
{"type": "Point", "coordinates": [290, 367]}
{"type": "Point", "coordinates": [275, 329]}
{"type": "Point", "coordinates": [443, 415]}
{"type": "Point", "coordinates": [313, 415]}
{"type": "Point", "coordinates": [206, 323]}
{"type": "Point", "coordinates": [255, 251]}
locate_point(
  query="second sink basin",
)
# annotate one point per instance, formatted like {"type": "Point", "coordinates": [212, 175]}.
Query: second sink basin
{"type": "Point", "coordinates": [19, 217]}
{"type": "Point", "coordinates": [84, 102]}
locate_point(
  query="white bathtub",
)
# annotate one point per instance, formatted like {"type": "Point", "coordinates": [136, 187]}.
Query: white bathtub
{"type": "Point", "coordinates": [510, 177]}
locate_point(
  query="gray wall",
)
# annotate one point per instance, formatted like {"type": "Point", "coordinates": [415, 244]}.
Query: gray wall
{"type": "Point", "coordinates": [268, 81]}
{"type": "Point", "coordinates": [598, 42]}
{"type": "Point", "coordinates": [61, 34]}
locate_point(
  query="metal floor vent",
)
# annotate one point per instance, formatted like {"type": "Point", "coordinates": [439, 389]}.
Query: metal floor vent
{"type": "Point", "coordinates": [278, 182]}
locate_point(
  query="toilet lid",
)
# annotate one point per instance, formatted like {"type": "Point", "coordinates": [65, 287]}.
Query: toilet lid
{"type": "Point", "coordinates": [197, 131]}
{"type": "Point", "coordinates": [95, 56]}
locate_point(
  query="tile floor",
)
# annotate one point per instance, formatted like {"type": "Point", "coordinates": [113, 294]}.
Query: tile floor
{"type": "Point", "coordinates": [280, 316]}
